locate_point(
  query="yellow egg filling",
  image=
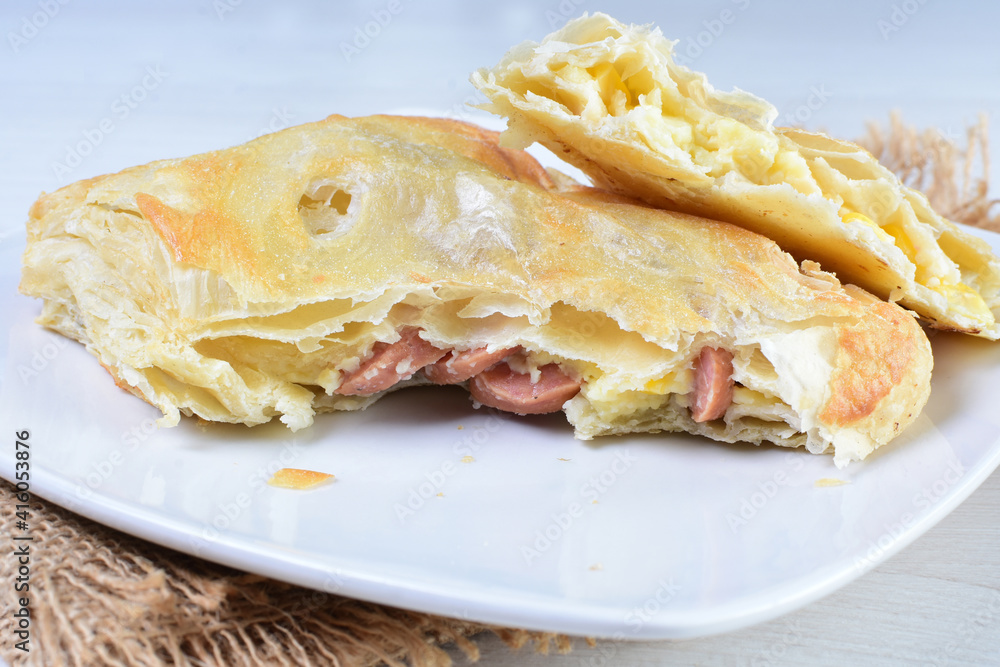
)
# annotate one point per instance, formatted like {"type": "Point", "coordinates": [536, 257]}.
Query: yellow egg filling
{"type": "Point", "coordinates": [671, 383]}
{"type": "Point", "coordinates": [851, 216]}
{"type": "Point", "coordinates": [962, 298]}
{"type": "Point", "coordinates": [965, 300]}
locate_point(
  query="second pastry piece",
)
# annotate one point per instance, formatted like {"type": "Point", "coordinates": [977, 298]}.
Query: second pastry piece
{"type": "Point", "coordinates": [610, 99]}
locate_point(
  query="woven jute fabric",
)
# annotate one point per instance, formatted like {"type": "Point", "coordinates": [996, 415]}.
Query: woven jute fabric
{"type": "Point", "coordinates": [100, 597]}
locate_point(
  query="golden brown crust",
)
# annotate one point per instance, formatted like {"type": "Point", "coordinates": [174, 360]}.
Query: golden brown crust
{"type": "Point", "coordinates": [476, 143]}
{"type": "Point", "coordinates": [873, 357]}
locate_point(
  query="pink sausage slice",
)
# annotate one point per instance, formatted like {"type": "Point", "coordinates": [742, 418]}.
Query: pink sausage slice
{"type": "Point", "coordinates": [713, 384]}
{"type": "Point", "coordinates": [505, 389]}
{"type": "Point", "coordinates": [457, 367]}
{"type": "Point", "coordinates": [390, 363]}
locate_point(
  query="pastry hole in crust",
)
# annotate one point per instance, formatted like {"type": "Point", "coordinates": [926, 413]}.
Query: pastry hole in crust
{"type": "Point", "coordinates": [324, 209]}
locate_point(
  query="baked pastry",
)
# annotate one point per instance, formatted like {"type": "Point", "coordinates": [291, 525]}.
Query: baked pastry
{"type": "Point", "coordinates": [610, 99]}
{"type": "Point", "coordinates": [316, 268]}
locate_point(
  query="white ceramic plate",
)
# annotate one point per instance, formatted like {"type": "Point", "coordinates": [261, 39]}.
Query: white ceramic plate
{"type": "Point", "coordinates": [634, 537]}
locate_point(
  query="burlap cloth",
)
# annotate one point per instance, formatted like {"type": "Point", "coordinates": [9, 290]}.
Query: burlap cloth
{"type": "Point", "coordinates": [100, 597]}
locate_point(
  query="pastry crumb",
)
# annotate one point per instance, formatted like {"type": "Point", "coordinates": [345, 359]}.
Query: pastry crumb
{"type": "Point", "coordinates": [830, 481]}
{"type": "Point", "coordinates": [460, 427]}
{"type": "Point", "coordinates": [597, 566]}
{"type": "Point", "coordinates": [295, 478]}
{"type": "Point", "coordinates": [467, 459]}
{"type": "Point", "coordinates": [562, 459]}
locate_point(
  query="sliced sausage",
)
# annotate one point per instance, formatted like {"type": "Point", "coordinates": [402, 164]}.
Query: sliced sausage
{"type": "Point", "coordinates": [390, 363]}
{"type": "Point", "coordinates": [505, 389]}
{"type": "Point", "coordinates": [713, 384]}
{"type": "Point", "coordinates": [457, 367]}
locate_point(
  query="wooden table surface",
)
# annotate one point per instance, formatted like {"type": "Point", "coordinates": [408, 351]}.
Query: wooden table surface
{"type": "Point", "coordinates": [91, 88]}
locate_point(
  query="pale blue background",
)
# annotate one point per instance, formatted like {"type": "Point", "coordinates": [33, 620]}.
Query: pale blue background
{"type": "Point", "coordinates": [232, 69]}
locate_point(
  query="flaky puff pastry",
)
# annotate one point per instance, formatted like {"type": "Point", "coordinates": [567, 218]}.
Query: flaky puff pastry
{"type": "Point", "coordinates": [243, 284]}
{"type": "Point", "coordinates": [610, 99]}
